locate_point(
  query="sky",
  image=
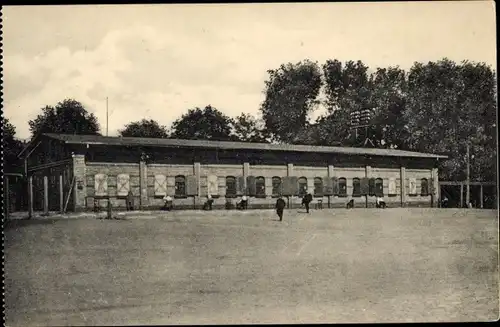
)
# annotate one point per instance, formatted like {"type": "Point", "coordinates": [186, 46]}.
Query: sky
{"type": "Point", "coordinates": [157, 61]}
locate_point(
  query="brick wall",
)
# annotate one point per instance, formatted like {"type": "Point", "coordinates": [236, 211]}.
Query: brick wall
{"type": "Point", "coordinates": [147, 174]}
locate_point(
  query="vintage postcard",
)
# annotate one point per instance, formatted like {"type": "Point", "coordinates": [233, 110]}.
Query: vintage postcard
{"type": "Point", "coordinates": [251, 163]}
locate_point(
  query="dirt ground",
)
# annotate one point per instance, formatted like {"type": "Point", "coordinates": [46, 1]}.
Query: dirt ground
{"type": "Point", "coordinates": [329, 266]}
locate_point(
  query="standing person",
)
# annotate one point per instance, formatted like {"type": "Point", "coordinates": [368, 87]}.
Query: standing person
{"type": "Point", "coordinates": [130, 201]}
{"type": "Point", "coordinates": [244, 202]}
{"type": "Point", "coordinates": [444, 202]}
{"type": "Point", "coordinates": [280, 206]}
{"type": "Point", "coordinates": [306, 200]}
{"type": "Point", "coordinates": [209, 203]}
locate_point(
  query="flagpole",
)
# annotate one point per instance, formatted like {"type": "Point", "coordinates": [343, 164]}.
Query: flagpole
{"type": "Point", "coordinates": [107, 116]}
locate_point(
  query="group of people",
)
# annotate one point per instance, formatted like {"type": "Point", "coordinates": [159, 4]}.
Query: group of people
{"type": "Point", "coordinates": [307, 199]}
{"type": "Point", "coordinates": [279, 206]}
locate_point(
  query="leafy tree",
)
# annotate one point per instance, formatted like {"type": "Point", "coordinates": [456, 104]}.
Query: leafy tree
{"type": "Point", "coordinates": [144, 128]}
{"type": "Point", "coordinates": [246, 128]}
{"type": "Point", "coordinates": [203, 124]}
{"type": "Point", "coordinates": [67, 117]}
{"type": "Point", "coordinates": [348, 88]}
{"type": "Point", "coordinates": [389, 96]}
{"type": "Point", "coordinates": [11, 147]}
{"type": "Point", "coordinates": [332, 129]}
{"type": "Point", "coordinates": [448, 106]}
{"type": "Point", "coordinates": [290, 95]}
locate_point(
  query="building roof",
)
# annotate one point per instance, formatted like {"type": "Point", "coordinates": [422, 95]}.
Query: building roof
{"type": "Point", "coordinates": [225, 145]}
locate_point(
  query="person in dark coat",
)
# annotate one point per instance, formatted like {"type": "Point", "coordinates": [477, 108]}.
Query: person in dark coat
{"type": "Point", "coordinates": [209, 203]}
{"type": "Point", "coordinates": [444, 202]}
{"type": "Point", "coordinates": [306, 200]}
{"type": "Point", "coordinates": [130, 201]}
{"type": "Point", "coordinates": [280, 207]}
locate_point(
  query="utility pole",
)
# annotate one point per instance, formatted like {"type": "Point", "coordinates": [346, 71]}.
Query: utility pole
{"type": "Point", "coordinates": [467, 192]}
{"type": "Point", "coordinates": [107, 116]}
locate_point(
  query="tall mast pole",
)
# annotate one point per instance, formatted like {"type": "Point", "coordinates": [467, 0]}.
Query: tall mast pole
{"type": "Point", "coordinates": [107, 116]}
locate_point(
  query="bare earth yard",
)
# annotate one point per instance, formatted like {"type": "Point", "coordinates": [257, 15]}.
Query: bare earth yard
{"type": "Point", "coordinates": [362, 265]}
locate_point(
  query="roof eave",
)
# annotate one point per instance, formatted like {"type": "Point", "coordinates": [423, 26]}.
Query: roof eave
{"type": "Point", "coordinates": [29, 145]}
{"type": "Point", "coordinates": [427, 156]}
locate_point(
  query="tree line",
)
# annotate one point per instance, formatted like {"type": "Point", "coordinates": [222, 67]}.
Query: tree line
{"type": "Point", "coordinates": [436, 107]}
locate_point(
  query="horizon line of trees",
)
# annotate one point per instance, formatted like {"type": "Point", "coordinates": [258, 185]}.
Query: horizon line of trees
{"type": "Point", "coordinates": [436, 107]}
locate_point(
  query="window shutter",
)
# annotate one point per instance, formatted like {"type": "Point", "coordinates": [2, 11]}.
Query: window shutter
{"type": "Point", "coordinates": [364, 186]}
{"type": "Point", "coordinates": [412, 186]}
{"type": "Point", "coordinates": [251, 187]}
{"type": "Point", "coordinates": [122, 184]}
{"type": "Point", "coordinates": [430, 187]}
{"type": "Point", "coordinates": [170, 186]}
{"type": "Point", "coordinates": [371, 186]}
{"type": "Point", "coordinates": [101, 184]}
{"type": "Point", "coordinates": [294, 184]}
{"type": "Point", "coordinates": [160, 185]}
{"type": "Point", "coordinates": [335, 186]}
{"type": "Point", "coordinates": [328, 186]}
{"type": "Point", "coordinates": [392, 186]}
{"type": "Point", "coordinates": [212, 185]}
{"type": "Point", "coordinates": [240, 185]}
{"type": "Point", "coordinates": [290, 186]}
{"type": "Point", "coordinates": [287, 186]}
{"type": "Point", "coordinates": [191, 186]}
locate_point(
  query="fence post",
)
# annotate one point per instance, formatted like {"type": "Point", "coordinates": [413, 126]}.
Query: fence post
{"type": "Point", "coordinates": [481, 196]}
{"type": "Point", "coordinates": [30, 196]}
{"type": "Point", "coordinates": [461, 195]}
{"type": "Point", "coordinates": [46, 194]}
{"type": "Point", "coordinates": [61, 194]}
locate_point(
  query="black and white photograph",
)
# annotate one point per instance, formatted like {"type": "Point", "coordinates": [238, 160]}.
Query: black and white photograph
{"type": "Point", "coordinates": [250, 163]}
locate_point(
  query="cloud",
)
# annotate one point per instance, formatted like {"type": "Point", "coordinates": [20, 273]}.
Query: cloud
{"type": "Point", "coordinates": [144, 73]}
{"type": "Point", "coordinates": [162, 66]}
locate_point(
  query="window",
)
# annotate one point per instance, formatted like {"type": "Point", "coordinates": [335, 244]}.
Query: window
{"type": "Point", "coordinates": [356, 187]}
{"type": "Point", "coordinates": [371, 187]}
{"type": "Point", "coordinates": [260, 187]}
{"type": "Point", "coordinates": [230, 186]}
{"type": "Point", "coordinates": [424, 187]}
{"type": "Point", "coordinates": [379, 187]}
{"type": "Point", "coordinates": [276, 186]}
{"type": "Point", "coordinates": [342, 186]}
{"type": "Point", "coordinates": [302, 186]}
{"type": "Point", "coordinates": [180, 186]}
{"type": "Point", "coordinates": [318, 186]}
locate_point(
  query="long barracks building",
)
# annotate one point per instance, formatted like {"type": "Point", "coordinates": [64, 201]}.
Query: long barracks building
{"type": "Point", "coordinates": [77, 172]}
